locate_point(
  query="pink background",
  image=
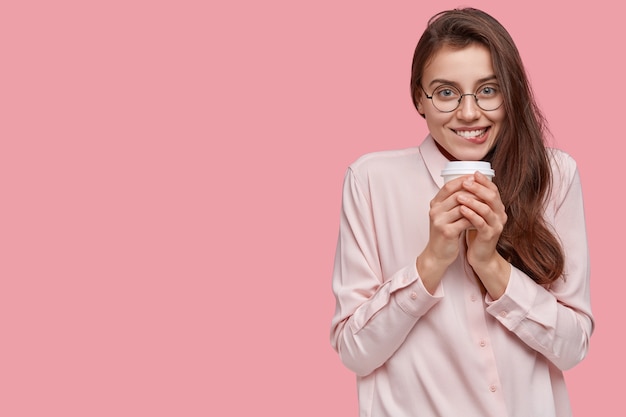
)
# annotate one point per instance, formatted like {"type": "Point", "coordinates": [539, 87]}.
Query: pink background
{"type": "Point", "coordinates": [170, 179]}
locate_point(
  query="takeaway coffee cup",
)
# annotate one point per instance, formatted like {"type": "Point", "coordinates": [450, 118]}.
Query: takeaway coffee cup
{"type": "Point", "coordinates": [455, 169]}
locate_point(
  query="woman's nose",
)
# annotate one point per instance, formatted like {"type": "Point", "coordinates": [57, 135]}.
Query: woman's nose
{"type": "Point", "coordinates": [468, 108]}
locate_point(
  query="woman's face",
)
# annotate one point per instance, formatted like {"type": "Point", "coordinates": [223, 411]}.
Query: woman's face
{"type": "Point", "coordinates": [469, 132]}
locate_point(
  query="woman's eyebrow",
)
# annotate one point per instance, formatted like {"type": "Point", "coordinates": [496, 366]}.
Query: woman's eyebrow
{"type": "Point", "coordinates": [444, 81]}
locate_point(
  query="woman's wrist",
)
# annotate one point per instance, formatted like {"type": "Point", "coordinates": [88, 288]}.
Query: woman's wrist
{"type": "Point", "coordinates": [430, 270]}
{"type": "Point", "coordinates": [494, 275]}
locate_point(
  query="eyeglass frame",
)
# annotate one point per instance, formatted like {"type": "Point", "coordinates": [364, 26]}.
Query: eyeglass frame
{"type": "Point", "coordinates": [458, 103]}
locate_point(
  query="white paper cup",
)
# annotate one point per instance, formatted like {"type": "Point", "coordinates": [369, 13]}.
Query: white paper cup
{"type": "Point", "coordinates": [456, 169]}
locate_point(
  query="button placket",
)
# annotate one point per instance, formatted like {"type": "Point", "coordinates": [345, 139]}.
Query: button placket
{"type": "Point", "coordinates": [475, 308]}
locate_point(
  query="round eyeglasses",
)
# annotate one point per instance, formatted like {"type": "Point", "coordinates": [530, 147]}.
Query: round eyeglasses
{"type": "Point", "coordinates": [447, 99]}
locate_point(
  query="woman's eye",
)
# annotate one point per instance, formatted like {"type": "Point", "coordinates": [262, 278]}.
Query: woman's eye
{"type": "Point", "coordinates": [447, 93]}
{"type": "Point", "coordinates": [487, 90]}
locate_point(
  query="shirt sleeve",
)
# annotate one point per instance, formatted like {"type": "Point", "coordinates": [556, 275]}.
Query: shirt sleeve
{"type": "Point", "coordinates": [374, 313]}
{"type": "Point", "coordinates": [556, 321]}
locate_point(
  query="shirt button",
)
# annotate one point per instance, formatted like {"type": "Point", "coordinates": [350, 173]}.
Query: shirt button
{"type": "Point", "coordinates": [492, 388]}
{"type": "Point", "coordinates": [413, 295]}
{"type": "Point", "coordinates": [483, 343]}
{"type": "Point", "coordinates": [503, 314]}
{"type": "Point", "coordinates": [473, 297]}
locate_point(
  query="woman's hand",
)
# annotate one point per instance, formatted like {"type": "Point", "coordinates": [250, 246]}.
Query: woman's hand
{"type": "Point", "coordinates": [447, 223]}
{"type": "Point", "coordinates": [483, 208]}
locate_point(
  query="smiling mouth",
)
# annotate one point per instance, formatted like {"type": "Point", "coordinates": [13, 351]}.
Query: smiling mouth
{"type": "Point", "coordinates": [470, 134]}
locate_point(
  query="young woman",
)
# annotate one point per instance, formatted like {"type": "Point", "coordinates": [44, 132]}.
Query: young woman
{"type": "Point", "coordinates": [436, 322]}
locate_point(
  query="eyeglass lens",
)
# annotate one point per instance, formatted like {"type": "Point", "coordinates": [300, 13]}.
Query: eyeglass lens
{"type": "Point", "coordinates": [446, 98]}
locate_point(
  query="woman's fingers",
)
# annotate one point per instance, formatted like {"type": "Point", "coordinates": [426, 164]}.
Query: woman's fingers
{"type": "Point", "coordinates": [484, 200]}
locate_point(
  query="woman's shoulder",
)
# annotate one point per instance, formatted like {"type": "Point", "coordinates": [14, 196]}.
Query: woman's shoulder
{"type": "Point", "coordinates": [564, 173]}
{"type": "Point", "coordinates": [387, 160]}
{"type": "Point", "coordinates": [563, 164]}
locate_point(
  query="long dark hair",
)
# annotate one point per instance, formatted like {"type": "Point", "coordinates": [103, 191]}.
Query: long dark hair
{"type": "Point", "coordinates": [519, 157]}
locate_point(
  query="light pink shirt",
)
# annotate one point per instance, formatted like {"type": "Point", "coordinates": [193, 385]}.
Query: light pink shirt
{"type": "Point", "coordinates": [455, 353]}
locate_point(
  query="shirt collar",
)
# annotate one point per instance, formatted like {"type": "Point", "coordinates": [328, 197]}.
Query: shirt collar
{"type": "Point", "coordinates": [433, 158]}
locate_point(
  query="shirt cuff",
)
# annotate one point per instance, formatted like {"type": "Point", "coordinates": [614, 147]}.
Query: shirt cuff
{"type": "Point", "coordinates": [518, 298]}
{"type": "Point", "coordinates": [411, 295]}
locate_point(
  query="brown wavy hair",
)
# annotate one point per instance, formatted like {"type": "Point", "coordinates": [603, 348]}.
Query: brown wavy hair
{"type": "Point", "coordinates": [519, 157]}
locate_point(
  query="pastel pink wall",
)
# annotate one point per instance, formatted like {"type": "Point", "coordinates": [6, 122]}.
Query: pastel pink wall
{"type": "Point", "coordinates": [170, 178]}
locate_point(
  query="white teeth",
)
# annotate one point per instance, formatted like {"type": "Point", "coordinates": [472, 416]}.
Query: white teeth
{"type": "Point", "coordinates": [470, 133]}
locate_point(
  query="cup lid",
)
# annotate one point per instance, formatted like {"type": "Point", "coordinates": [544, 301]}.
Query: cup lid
{"type": "Point", "coordinates": [467, 167]}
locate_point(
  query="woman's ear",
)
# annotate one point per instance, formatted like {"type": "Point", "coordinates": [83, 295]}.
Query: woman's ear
{"type": "Point", "coordinates": [420, 107]}
{"type": "Point", "coordinates": [418, 103]}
